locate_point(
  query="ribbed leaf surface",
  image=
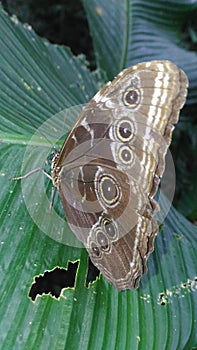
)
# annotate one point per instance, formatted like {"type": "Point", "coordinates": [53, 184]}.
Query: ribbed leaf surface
{"type": "Point", "coordinates": [38, 80]}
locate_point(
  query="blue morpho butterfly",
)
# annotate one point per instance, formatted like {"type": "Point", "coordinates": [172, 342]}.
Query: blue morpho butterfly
{"type": "Point", "coordinates": [110, 166]}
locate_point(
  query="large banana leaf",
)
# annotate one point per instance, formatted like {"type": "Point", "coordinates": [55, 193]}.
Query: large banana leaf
{"type": "Point", "coordinates": [37, 81]}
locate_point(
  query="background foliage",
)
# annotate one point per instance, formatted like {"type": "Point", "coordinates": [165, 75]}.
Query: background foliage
{"type": "Point", "coordinates": [39, 79]}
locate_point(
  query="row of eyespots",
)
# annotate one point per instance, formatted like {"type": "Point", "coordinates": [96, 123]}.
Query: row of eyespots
{"type": "Point", "coordinates": [108, 189]}
{"type": "Point", "coordinates": [125, 129]}
{"type": "Point", "coordinates": [105, 234]}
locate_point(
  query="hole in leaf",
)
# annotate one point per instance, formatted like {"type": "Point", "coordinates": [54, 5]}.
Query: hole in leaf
{"type": "Point", "coordinates": [92, 273]}
{"type": "Point", "coordinates": [163, 299]}
{"type": "Point", "coordinates": [52, 282]}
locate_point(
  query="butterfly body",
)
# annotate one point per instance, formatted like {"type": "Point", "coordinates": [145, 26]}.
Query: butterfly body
{"type": "Point", "coordinates": [110, 166]}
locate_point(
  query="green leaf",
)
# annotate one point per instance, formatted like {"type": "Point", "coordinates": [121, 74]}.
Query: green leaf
{"type": "Point", "coordinates": [132, 31]}
{"type": "Point", "coordinates": [39, 81]}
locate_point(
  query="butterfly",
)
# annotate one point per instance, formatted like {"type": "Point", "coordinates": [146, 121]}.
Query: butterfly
{"type": "Point", "coordinates": [111, 164]}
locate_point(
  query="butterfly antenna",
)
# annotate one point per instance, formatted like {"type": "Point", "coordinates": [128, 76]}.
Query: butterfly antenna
{"type": "Point", "coordinates": [36, 169]}
{"type": "Point", "coordinates": [30, 173]}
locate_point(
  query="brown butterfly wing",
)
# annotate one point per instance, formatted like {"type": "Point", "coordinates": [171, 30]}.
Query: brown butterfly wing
{"type": "Point", "coordinates": [109, 168]}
